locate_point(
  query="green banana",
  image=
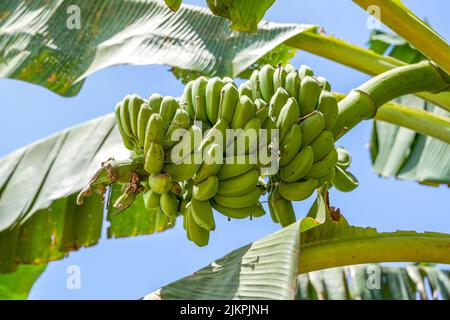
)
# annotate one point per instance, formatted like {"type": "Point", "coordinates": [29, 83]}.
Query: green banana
{"type": "Point", "coordinates": [279, 77]}
{"type": "Point", "coordinates": [255, 210]}
{"type": "Point", "coordinates": [199, 98]}
{"type": "Point", "coordinates": [329, 108]}
{"type": "Point", "coordinates": [311, 127]}
{"type": "Point", "coordinates": [154, 159]}
{"type": "Point", "coordinates": [151, 199]}
{"type": "Point", "coordinates": [217, 134]}
{"type": "Point", "coordinates": [212, 98]}
{"type": "Point", "coordinates": [128, 141]}
{"type": "Point", "coordinates": [197, 234]}
{"type": "Point", "coordinates": [160, 183]}
{"type": "Point", "coordinates": [143, 118]}
{"type": "Point", "coordinates": [262, 109]}
{"type": "Point", "coordinates": [228, 101]}
{"type": "Point", "coordinates": [245, 110]}
{"type": "Point", "coordinates": [277, 102]}
{"type": "Point", "coordinates": [254, 85]}
{"type": "Point", "coordinates": [344, 181]}
{"type": "Point", "coordinates": [212, 162]}
{"type": "Point", "coordinates": [308, 95]}
{"type": "Point", "coordinates": [154, 102]}
{"type": "Point", "coordinates": [154, 132]}
{"type": "Point", "coordinates": [241, 184]}
{"type": "Point", "coordinates": [206, 190]}
{"type": "Point", "coordinates": [124, 202]}
{"type": "Point", "coordinates": [329, 176]}
{"type": "Point", "coordinates": [173, 5]}
{"type": "Point", "coordinates": [293, 84]}
{"type": "Point", "coordinates": [322, 145]}
{"type": "Point", "coordinates": [187, 103]}
{"type": "Point", "coordinates": [189, 143]}
{"type": "Point", "coordinates": [134, 106]}
{"type": "Point", "coordinates": [289, 115]}
{"type": "Point", "coordinates": [169, 204]}
{"type": "Point", "coordinates": [125, 117]}
{"type": "Point", "coordinates": [266, 81]}
{"type": "Point", "coordinates": [245, 90]}
{"type": "Point", "coordinates": [344, 158]}
{"type": "Point", "coordinates": [323, 166]}
{"type": "Point", "coordinates": [169, 107]}
{"type": "Point", "coordinates": [305, 71]}
{"type": "Point", "coordinates": [241, 201]}
{"type": "Point", "coordinates": [324, 84]}
{"type": "Point", "coordinates": [247, 141]}
{"type": "Point", "coordinates": [290, 145]}
{"type": "Point", "coordinates": [289, 68]}
{"type": "Point", "coordinates": [297, 191]}
{"type": "Point", "coordinates": [269, 125]}
{"type": "Point", "coordinates": [235, 166]}
{"type": "Point", "coordinates": [299, 166]}
{"type": "Point", "coordinates": [181, 120]}
{"type": "Point", "coordinates": [229, 80]}
{"type": "Point", "coordinates": [281, 208]}
{"type": "Point", "coordinates": [186, 170]}
{"type": "Point", "coordinates": [202, 214]}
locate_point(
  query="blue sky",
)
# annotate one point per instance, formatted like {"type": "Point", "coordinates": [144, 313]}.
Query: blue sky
{"type": "Point", "coordinates": [129, 268]}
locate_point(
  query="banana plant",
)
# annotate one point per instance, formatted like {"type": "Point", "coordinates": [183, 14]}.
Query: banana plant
{"type": "Point", "coordinates": [43, 222]}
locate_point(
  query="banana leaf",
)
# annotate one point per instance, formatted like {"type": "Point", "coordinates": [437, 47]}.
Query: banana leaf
{"type": "Point", "coordinates": [39, 218]}
{"type": "Point", "coordinates": [42, 42]}
{"type": "Point", "coordinates": [404, 154]}
{"type": "Point", "coordinates": [17, 285]}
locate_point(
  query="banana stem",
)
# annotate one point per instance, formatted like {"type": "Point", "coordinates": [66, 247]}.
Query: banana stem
{"type": "Point", "coordinates": [363, 103]}
{"type": "Point", "coordinates": [396, 248]}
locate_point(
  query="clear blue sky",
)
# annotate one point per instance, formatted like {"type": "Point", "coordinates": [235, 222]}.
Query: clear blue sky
{"type": "Point", "coordinates": [129, 268]}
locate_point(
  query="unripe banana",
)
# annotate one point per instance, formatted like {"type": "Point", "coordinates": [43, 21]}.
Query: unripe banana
{"type": "Point", "coordinates": [309, 95]}
{"type": "Point", "coordinates": [151, 199]}
{"type": "Point", "coordinates": [186, 170]}
{"type": "Point", "coordinates": [245, 110]}
{"type": "Point", "coordinates": [290, 145]}
{"type": "Point", "coordinates": [169, 107]}
{"type": "Point", "coordinates": [242, 201]}
{"type": "Point", "coordinates": [187, 102]}
{"type": "Point", "coordinates": [202, 214]}
{"type": "Point", "coordinates": [128, 142]}
{"type": "Point", "coordinates": [197, 234]}
{"type": "Point", "coordinates": [229, 100]}
{"type": "Point", "coordinates": [212, 97]}
{"type": "Point", "coordinates": [329, 108]}
{"type": "Point", "coordinates": [344, 181]}
{"type": "Point", "coordinates": [154, 159]}
{"type": "Point", "coordinates": [242, 184]}
{"type": "Point", "coordinates": [247, 141]}
{"type": "Point", "coordinates": [154, 102]}
{"type": "Point", "coordinates": [344, 158]}
{"type": "Point", "coordinates": [212, 162]}
{"type": "Point", "coordinates": [173, 5]}
{"type": "Point", "coordinates": [199, 98]}
{"type": "Point", "coordinates": [169, 204]}
{"type": "Point", "coordinates": [281, 208]}
{"type": "Point", "coordinates": [323, 166]}
{"type": "Point", "coordinates": [134, 106]}
{"type": "Point", "coordinates": [262, 109]}
{"type": "Point", "coordinates": [311, 127]}
{"type": "Point", "coordinates": [206, 189]}
{"type": "Point", "coordinates": [160, 183]}
{"type": "Point", "coordinates": [189, 143]}
{"type": "Point", "coordinates": [266, 81]}
{"type": "Point", "coordinates": [305, 71]}
{"type": "Point", "coordinates": [240, 213]}
{"type": "Point", "coordinates": [246, 90]}
{"type": "Point", "coordinates": [279, 78]}
{"type": "Point", "coordinates": [299, 166]}
{"type": "Point", "coordinates": [154, 132]}
{"type": "Point", "coordinates": [289, 68]}
{"type": "Point", "coordinates": [254, 84]}
{"type": "Point", "coordinates": [322, 145]}
{"type": "Point", "coordinates": [236, 165]}
{"type": "Point", "coordinates": [125, 117]}
{"type": "Point", "coordinates": [277, 102]}
{"type": "Point", "coordinates": [269, 125]}
{"type": "Point", "coordinates": [289, 115]}
{"type": "Point", "coordinates": [181, 120]}
{"type": "Point", "coordinates": [143, 118]}
{"type": "Point", "coordinates": [124, 202]}
{"type": "Point", "coordinates": [329, 176]}
{"type": "Point", "coordinates": [324, 84]}
{"type": "Point", "coordinates": [298, 191]}
{"type": "Point", "coordinates": [217, 134]}
{"type": "Point", "coordinates": [293, 84]}
{"type": "Point", "coordinates": [229, 80]}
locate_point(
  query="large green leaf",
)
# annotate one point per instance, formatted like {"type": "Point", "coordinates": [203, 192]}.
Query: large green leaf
{"type": "Point", "coordinates": [39, 218]}
{"type": "Point", "coordinates": [374, 282]}
{"type": "Point", "coordinates": [38, 47]}
{"type": "Point", "coordinates": [405, 154]}
{"type": "Point", "coordinates": [17, 285]}
{"type": "Point", "coordinates": [265, 269]}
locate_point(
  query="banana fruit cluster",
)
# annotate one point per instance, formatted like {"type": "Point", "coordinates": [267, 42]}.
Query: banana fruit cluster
{"type": "Point", "coordinates": [207, 151]}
